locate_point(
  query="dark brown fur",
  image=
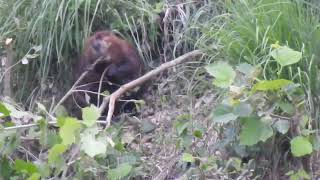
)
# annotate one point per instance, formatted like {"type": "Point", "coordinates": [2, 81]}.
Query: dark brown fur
{"type": "Point", "coordinates": [119, 57]}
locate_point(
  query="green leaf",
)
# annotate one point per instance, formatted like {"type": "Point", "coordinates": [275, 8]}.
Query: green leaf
{"type": "Point", "coordinates": [4, 112]}
{"type": "Point", "coordinates": [5, 168]}
{"type": "Point", "coordinates": [186, 157]}
{"type": "Point", "coordinates": [121, 171]}
{"type": "Point", "coordinates": [8, 124]}
{"type": "Point", "coordinates": [45, 169]}
{"type": "Point", "coordinates": [60, 121]}
{"type": "Point", "coordinates": [243, 110]}
{"type": "Point", "coordinates": [90, 115]}
{"type": "Point", "coordinates": [105, 93]}
{"type": "Point", "coordinates": [254, 130]}
{"type": "Point", "coordinates": [69, 131]}
{"type": "Point", "coordinates": [61, 111]}
{"type": "Point", "coordinates": [186, 141]}
{"type": "Point", "coordinates": [286, 107]}
{"type": "Point", "coordinates": [223, 114]}
{"type": "Point", "coordinates": [55, 152]}
{"type": "Point", "coordinates": [286, 56]}
{"type": "Point", "coordinates": [25, 167]}
{"type": "Point", "coordinates": [148, 126]}
{"type": "Point", "coordinates": [271, 85]}
{"type": "Point", "coordinates": [223, 73]}
{"type": "Point", "coordinates": [181, 127]}
{"type": "Point", "coordinates": [119, 147]}
{"type": "Point", "coordinates": [289, 173]}
{"type": "Point", "coordinates": [266, 132]}
{"type": "Point", "coordinates": [282, 126]}
{"type": "Point", "coordinates": [301, 174]}
{"type": "Point", "coordinates": [198, 134]}
{"type": "Point", "coordinates": [52, 138]}
{"type": "Point", "coordinates": [91, 145]}
{"type": "Point", "coordinates": [294, 177]}
{"type": "Point", "coordinates": [34, 176]}
{"type": "Point", "coordinates": [300, 146]}
{"type": "Point", "coordinates": [247, 69]}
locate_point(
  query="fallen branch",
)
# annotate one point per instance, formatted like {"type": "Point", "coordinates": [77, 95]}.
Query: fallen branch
{"type": "Point", "coordinates": [124, 88]}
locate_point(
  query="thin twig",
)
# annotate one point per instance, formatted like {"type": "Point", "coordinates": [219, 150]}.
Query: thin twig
{"type": "Point", "coordinates": [280, 117]}
{"type": "Point", "coordinates": [23, 149]}
{"type": "Point", "coordinates": [114, 96]}
{"type": "Point", "coordinates": [100, 85]}
{"type": "Point", "coordinates": [33, 125]}
{"type": "Point", "coordinates": [26, 126]}
{"type": "Point", "coordinates": [91, 92]}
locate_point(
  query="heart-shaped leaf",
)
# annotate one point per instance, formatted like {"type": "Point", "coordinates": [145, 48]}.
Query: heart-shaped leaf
{"type": "Point", "coordinates": [286, 56]}
{"type": "Point", "coordinates": [223, 73]}
{"type": "Point", "coordinates": [300, 146]}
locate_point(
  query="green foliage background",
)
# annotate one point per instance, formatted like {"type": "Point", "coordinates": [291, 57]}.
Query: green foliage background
{"type": "Point", "coordinates": [60, 28]}
{"type": "Point", "coordinates": [263, 101]}
{"type": "Point", "coordinates": [254, 25]}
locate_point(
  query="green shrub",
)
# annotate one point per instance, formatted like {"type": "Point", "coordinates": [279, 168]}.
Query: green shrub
{"type": "Point", "coordinates": [253, 26]}
{"type": "Point", "coordinates": [280, 39]}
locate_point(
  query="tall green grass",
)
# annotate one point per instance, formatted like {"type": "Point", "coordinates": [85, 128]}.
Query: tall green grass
{"type": "Point", "coordinates": [253, 25]}
{"type": "Point", "coordinates": [60, 28]}
{"type": "Point", "coordinates": [53, 25]}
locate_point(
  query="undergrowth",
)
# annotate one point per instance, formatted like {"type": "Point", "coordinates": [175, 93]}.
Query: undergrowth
{"type": "Point", "coordinates": [247, 109]}
{"type": "Point", "coordinates": [254, 25]}
{"type": "Point", "coordinates": [271, 44]}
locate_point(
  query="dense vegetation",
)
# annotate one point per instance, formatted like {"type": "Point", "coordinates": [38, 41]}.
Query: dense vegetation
{"type": "Point", "coordinates": [247, 109]}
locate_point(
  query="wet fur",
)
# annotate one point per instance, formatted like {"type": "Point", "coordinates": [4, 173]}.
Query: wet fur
{"type": "Point", "coordinates": [118, 57]}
